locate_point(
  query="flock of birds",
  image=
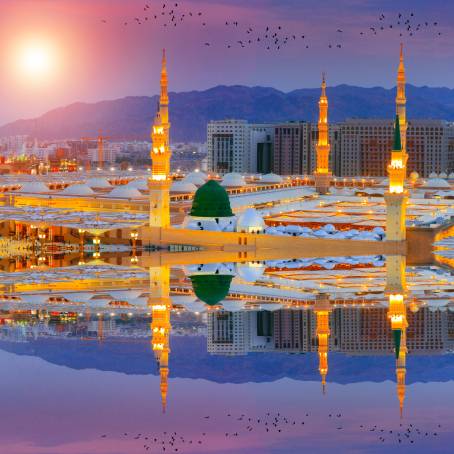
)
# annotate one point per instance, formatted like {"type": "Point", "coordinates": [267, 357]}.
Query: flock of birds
{"type": "Point", "coordinates": [171, 15]}
{"type": "Point", "coordinates": [272, 423]}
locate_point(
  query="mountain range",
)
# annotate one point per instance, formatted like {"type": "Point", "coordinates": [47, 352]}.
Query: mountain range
{"type": "Point", "coordinates": [130, 117]}
{"type": "Point", "coordinates": [190, 359]}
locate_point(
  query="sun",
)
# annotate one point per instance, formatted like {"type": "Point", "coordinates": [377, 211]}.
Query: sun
{"type": "Point", "coordinates": [36, 60]}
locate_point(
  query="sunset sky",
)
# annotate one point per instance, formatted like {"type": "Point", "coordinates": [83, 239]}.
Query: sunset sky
{"type": "Point", "coordinates": [55, 52]}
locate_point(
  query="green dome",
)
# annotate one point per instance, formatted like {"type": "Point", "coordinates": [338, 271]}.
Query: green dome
{"type": "Point", "coordinates": [211, 201]}
{"type": "Point", "coordinates": [211, 288]}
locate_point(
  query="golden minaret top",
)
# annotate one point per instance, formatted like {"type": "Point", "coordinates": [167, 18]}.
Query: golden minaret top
{"type": "Point", "coordinates": [164, 98]}
{"type": "Point", "coordinates": [160, 304]}
{"type": "Point", "coordinates": [323, 146]}
{"type": "Point", "coordinates": [160, 152]}
{"type": "Point", "coordinates": [401, 100]}
{"type": "Point", "coordinates": [322, 311]}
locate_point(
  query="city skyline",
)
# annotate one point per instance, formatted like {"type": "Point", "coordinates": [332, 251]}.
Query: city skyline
{"type": "Point", "coordinates": [98, 70]}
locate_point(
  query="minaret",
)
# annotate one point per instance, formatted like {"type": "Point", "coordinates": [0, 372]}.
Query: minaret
{"type": "Point", "coordinates": [397, 313]}
{"type": "Point", "coordinates": [160, 180]}
{"type": "Point", "coordinates": [401, 100]}
{"type": "Point", "coordinates": [322, 173]}
{"type": "Point", "coordinates": [396, 196]}
{"type": "Point", "coordinates": [160, 304]}
{"type": "Point", "coordinates": [322, 311]}
{"type": "Point", "coordinates": [401, 372]}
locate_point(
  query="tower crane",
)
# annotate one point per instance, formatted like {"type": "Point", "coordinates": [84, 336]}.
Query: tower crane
{"type": "Point", "coordinates": [100, 141]}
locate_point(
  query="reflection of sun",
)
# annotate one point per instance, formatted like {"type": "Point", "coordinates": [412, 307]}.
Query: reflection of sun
{"type": "Point", "coordinates": [36, 60]}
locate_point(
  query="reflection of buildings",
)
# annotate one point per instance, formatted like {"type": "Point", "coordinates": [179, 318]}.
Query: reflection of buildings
{"type": "Point", "coordinates": [160, 304]}
{"type": "Point", "coordinates": [227, 331]}
{"type": "Point", "coordinates": [354, 331]}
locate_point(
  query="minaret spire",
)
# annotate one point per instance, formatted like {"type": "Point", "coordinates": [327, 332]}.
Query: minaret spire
{"type": "Point", "coordinates": [160, 180]}
{"type": "Point", "coordinates": [322, 309]}
{"type": "Point", "coordinates": [161, 305]}
{"type": "Point", "coordinates": [401, 100]}
{"type": "Point", "coordinates": [396, 287]}
{"type": "Point", "coordinates": [322, 171]}
{"type": "Point", "coordinates": [164, 98]}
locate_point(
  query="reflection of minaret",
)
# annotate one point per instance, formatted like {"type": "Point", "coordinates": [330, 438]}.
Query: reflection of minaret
{"type": "Point", "coordinates": [401, 371]}
{"type": "Point", "coordinates": [160, 180]}
{"type": "Point", "coordinates": [397, 314]}
{"type": "Point", "coordinates": [396, 196]}
{"type": "Point", "coordinates": [322, 173]}
{"type": "Point", "coordinates": [160, 304]}
{"type": "Point", "coordinates": [401, 100]}
{"type": "Point", "coordinates": [322, 311]}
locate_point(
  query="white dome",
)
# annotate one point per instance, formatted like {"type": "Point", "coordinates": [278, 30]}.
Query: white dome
{"type": "Point", "coordinates": [271, 178]}
{"type": "Point", "coordinates": [125, 295]}
{"type": "Point", "coordinates": [271, 307]}
{"type": "Point", "coordinates": [183, 186]}
{"type": "Point", "coordinates": [443, 175]}
{"type": "Point", "coordinates": [98, 182]}
{"type": "Point", "coordinates": [34, 186]}
{"type": "Point", "coordinates": [77, 189]}
{"type": "Point", "coordinates": [140, 184]}
{"type": "Point", "coordinates": [451, 176]}
{"type": "Point", "coordinates": [122, 192]}
{"type": "Point", "coordinates": [433, 175]}
{"type": "Point", "coordinates": [194, 178]}
{"type": "Point", "coordinates": [233, 180]}
{"type": "Point", "coordinates": [233, 305]}
{"type": "Point", "coordinates": [198, 174]}
{"type": "Point", "coordinates": [436, 183]}
{"type": "Point", "coordinates": [250, 271]}
{"type": "Point", "coordinates": [195, 306]}
{"type": "Point", "coordinates": [250, 221]}
{"type": "Point", "coordinates": [183, 299]}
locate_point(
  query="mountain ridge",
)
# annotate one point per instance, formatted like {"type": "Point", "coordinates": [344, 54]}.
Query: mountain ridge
{"type": "Point", "coordinates": [130, 117]}
{"type": "Point", "coordinates": [190, 359]}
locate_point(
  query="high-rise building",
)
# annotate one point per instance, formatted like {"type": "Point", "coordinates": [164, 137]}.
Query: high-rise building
{"type": "Point", "coordinates": [362, 147]}
{"type": "Point", "coordinates": [292, 330]}
{"type": "Point", "coordinates": [237, 146]}
{"type": "Point", "coordinates": [261, 148]}
{"type": "Point", "coordinates": [227, 333]}
{"type": "Point", "coordinates": [292, 148]}
{"type": "Point", "coordinates": [227, 145]}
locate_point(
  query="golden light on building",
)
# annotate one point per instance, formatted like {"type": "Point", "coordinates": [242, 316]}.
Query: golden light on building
{"type": "Point", "coordinates": [160, 181]}
{"type": "Point", "coordinates": [322, 309]}
{"type": "Point", "coordinates": [401, 100]}
{"type": "Point", "coordinates": [322, 173]}
{"type": "Point", "coordinates": [396, 197]}
{"type": "Point", "coordinates": [397, 314]}
{"type": "Point", "coordinates": [160, 304]}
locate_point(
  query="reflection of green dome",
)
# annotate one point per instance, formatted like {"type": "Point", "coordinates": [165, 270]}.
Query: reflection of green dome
{"type": "Point", "coordinates": [211, 288]}
{"type": "Point", "coordinates": [211, 201]}
{"type": "Point", "coordinates": [397, 335]}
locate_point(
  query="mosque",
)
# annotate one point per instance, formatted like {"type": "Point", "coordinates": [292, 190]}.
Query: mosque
{"type": "Point", "coordinates": [252, 223]}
